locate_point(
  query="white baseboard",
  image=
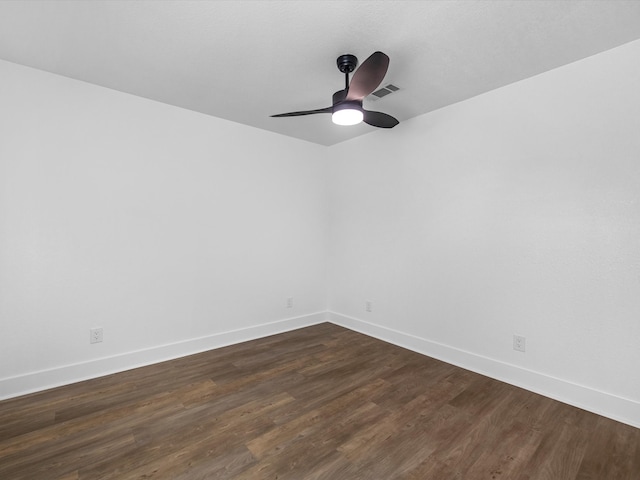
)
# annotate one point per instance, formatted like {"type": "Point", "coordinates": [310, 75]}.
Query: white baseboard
{"type": "Point", "coordinates": [602, 403]}
{"type": "Point", "coordinates": [64, 375]}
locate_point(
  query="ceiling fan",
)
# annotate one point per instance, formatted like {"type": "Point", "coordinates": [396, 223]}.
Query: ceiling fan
{"type": "Point", "coordinates": [347, 104]}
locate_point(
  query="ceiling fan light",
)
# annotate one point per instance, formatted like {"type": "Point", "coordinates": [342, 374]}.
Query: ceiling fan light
{"type": "Point", "coordinates": [348, 115]}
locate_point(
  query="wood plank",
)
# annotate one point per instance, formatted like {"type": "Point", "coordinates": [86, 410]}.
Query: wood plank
{"type": "Point", "coordinates": [316, 403]}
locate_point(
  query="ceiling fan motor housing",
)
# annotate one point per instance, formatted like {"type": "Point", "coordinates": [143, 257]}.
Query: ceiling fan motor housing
{"type": "Point", "coordinates": [339, 102]}
{"type": "Point", "coordinates": [339, 96]}
{"type": "Point", "coordinates": [348, 105]}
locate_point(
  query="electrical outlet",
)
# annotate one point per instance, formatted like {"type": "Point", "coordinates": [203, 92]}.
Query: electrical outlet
{"type": "Point", "coordinates": [289, 302]}
{"type": "Point", "coordinates": [95, 335]}
{"type": "Point", "coordinates": [368, 306]}
{"type": "Point", "coordinates": [519, 343]}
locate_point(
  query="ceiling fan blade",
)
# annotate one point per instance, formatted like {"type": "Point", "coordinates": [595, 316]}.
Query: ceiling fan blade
{"type": "Point", "coordinates": [304, 112]}
{"type": "Point", "coordinates": [367, 78]}
{"type": "Point", "coordinates": [379, 119]}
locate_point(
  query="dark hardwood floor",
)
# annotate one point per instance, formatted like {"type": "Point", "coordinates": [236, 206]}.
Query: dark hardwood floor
{"type": "Point", "coordinates": [318, 403]}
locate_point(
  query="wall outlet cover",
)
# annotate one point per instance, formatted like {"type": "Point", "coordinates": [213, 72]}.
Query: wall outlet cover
{"type": "Point", "coordinates": [95, 335]}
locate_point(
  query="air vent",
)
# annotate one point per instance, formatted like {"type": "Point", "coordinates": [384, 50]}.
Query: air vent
{"type": "Point", "coordinates": [384, 91]}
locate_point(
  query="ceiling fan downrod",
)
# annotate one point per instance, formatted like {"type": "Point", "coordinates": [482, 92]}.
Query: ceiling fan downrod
{"type": "Point", "coordinates": [347, 63]}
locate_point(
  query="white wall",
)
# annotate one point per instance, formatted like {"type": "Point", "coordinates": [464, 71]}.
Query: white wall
{"type": "Point", "coordinates": [515, 212]}
{"type": "Point", "coordinates": [166, 227]}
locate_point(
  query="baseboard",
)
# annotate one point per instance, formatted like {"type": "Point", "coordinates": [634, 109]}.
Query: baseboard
{"type": "Point", "coordinates": [65, 375]}
{"type": "Point", "coordinates": [602, 403]}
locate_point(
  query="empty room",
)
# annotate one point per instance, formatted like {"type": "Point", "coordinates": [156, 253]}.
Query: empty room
{"type": "Point", "coordinates": [320, 240]}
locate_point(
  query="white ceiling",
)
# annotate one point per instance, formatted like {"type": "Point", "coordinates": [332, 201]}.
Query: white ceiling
{"type": "Point", "coordinates": [246, 60]}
